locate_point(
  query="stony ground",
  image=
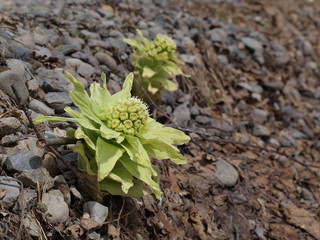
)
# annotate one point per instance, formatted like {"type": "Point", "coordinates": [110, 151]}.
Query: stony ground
{"type": "Point", "coordinates": [250, 105]}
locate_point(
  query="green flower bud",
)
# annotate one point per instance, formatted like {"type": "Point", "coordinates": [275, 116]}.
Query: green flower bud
{"type": "Point", "coordinates": [137, 123]}
{"type": "Point", "coordinates": [124, 116]}
{"type": "Point", "coordinates": [133, 116]}
{"type": "Point", "coordinates": [122, 108]}
{"type": "Point", "coordinates": [129, 131]}
{"type": "Point", "coordinates": [128, 116]}
{"type": "Point", "coordinates": [115, 123]}
{"type": "Point", "coordinates": [115, 114]}
{"type": "Point", "coordinates": [128, 124]}
{"type": "Point", "coordinates": [120, 128]}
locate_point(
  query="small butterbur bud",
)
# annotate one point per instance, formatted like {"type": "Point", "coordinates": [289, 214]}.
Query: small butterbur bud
{"type": "Point", "coordinates": [128, 124]}
{"type": "Point", "coordinates": [115, 114]}
{"type": "Point", "coordinates": [115, 123]}
{"type": "Point", "coordinates": [124, 116]}
{"type": "Point", "coordinates": [133, 116]}
{"type": "Point", "coordinates": [127, 116]}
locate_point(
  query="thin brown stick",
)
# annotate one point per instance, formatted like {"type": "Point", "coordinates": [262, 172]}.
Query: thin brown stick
{"type": "Point", "coordinates": [60, 141]}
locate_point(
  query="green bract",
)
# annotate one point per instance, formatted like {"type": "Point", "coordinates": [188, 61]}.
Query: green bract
{"type": "Point", "coordinates": [155, 62]}
{"type": "Point", "coordinates": [117, 136]}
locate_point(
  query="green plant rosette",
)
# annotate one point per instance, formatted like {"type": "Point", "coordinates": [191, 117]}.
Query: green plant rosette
{"type": "Point", "coordinates": [155, 62]}
{"type": "Point", "coordinates": [116, 138]}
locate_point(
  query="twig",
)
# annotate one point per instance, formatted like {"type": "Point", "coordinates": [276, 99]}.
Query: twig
{"type": "Point", "coordinates": [119, 216]}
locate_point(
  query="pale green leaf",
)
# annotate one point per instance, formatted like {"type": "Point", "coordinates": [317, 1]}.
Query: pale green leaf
{"type": "Point", "coordinates": [142, 173]}
{"type": "Point", "coordinates": [133, 42]}
{"type": "Point", "coordinates": [162, 150]}
{"type": "Point", "coordinates": [108, 134]}
{"type": "Point", "coordinates": [151, 89]}
{"type": "Point", "coordinates": [137, 153]}
{"type": "Point", "coordinates": [144, 39]}
{"type": "Point", "coordinates": [41, 119]}
{"type": "Point", "coordinates": [86, 105]}
{"type": "Point", "coordinates": [82, 120]}
{"type": "Point", "coordinates": [148, 72]}
{"type": "Point", "coordinates": [86, 136]}
{"type": "Point", "coordinates": [107, 156]}
{"type": "Point", "coordinates": [172, 70]}
{"type": "Point", "coordinates": [101, 97]}
{"type": "Point", "coordinates": [77, 85]}
{"type": "Point", "coordinates": [104, 80]}
{"type": "Point", "coordinates": [83, 161]}
{"type": "Point", "coordinates": [123, 176]}
{"type": "Point", "coordinates": [155, 130]}
{"type": "Point", "coordinates": [114, 188]}
{"type": "Point", "coordinates": [169, 85]}
{"type": "Point", "coordinates": [126, 90]}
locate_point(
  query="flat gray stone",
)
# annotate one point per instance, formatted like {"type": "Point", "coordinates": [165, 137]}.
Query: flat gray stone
{"type": "Point", "coordinates": [26, 40]}
{"type": "Point", "coordinates": [85, 70]}
{"type": "Point", "coordinates": [40, 107]}
{"type": "Point", "coordinates": [251, 87]}
{"type": "Point", "coordinates": [24, 160]}
{"type": "Point", "coordinates": [107, 60]}
{"type": "Point", "coordinates": [252, 44]}
{"type": "Point", "coordinates": [57, 208]}
{"type": "Point", "coordinates": [8, 125]}
{"type": "Point", "coordinates": [58, 100]}
{"type": "Point", "coordinates": [218, 35]}
{"type": "Point", "coordinates": [226, 174]}
{"type": "Point", "coordinates": [259, 115]}
{"type": "Point", "coordinates": [17, 66]}
{"type": "Point", "coordinates": [55, 80]}
{"type": "Point", "coordinates": [97, 211]}
{"type": "Point", "coordinates": [34, 177]}
{"type": "Point", "coordinates": [11, 190]}
{"type": "Point", "coordinates": [261, 131]}
{"type": "Point", "coordinates": [31, 226]}
{"type": "Point", "coordinates": [10, 80]}
{"type": "Point", "coordinates": [182, 115]}
{"type": "Point", "coordinates": [117, 44]}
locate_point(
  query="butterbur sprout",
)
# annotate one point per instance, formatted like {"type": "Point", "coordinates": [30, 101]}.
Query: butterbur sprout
{"type": "Point", "coordinates": [116, 138]}
{"type": "Point", "coordinates": [155, 62]}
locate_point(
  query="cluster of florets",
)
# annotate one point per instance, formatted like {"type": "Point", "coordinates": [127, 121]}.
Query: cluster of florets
{"type": "Point", "coordinates": [162, 44]}
{"type": "Point", "coordinates": [128, 116]}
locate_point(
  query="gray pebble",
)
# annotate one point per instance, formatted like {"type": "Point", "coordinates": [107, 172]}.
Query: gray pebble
{"type": "Point", "coordinates": [307, 195]}
{"type": "Point", "coordinates": [68, 49]}
{"type": "Point", "coordinates": [31, 226]}
{"type": "Point", "coordinates": [33, 177]}
{"type": "Point", "coordinates": [97, 211]}
{"type": "Point", "coordinates": [24, 160]}
{"type": "Point", "coordinates": [107, 60]}
{"type": "Point", "coordinates": [57, 208]}
{"type": "Point", "coordinates": [259, 115]}
{"type": "Point", "coordinates": [218, 35]}
{"type": "Point", "coordinates": [261, 131]}
{"type": "Point", "coordinates": [58, 100]}
{"type": "Point", "coordinates": [11, 190]}
{"type": "Point", "coordinates": [40, 107]}
{"type": "Point", "coordinates": [117, 44]}
{"type": "Point", "coordinates": [8, 125]}
{"type": "Point", "coordinates": [182, 115]}
{"type": "Point", "coordinates": [10, 80]}
{"type": "Point", "coordinates": [226, 174]}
